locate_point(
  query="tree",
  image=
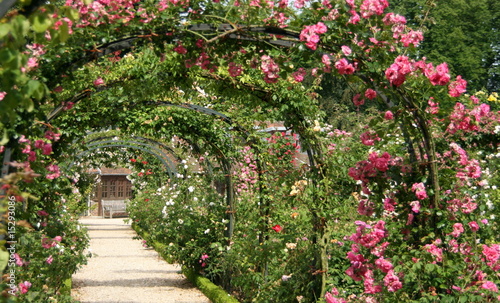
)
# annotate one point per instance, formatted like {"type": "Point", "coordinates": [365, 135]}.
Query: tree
{"type": "Point", "coordinates": [463, 33]}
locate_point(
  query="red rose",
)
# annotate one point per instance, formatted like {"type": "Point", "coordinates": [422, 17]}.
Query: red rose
{"type": "Point", "coordinates": [277, 228]}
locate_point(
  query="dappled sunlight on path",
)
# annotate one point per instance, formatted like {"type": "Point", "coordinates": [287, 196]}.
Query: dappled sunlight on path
{"type": "Point", "coordinates": [121, 270]}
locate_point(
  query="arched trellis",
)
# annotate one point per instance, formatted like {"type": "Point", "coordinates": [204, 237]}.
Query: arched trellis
{"type": "Point", "coordinates": [225, 163]}
{"type": "Point", "coordinates": [228, 32]}
{"type": "Point", "coordinates": [161, 149]}
{"type": "Point", "coordinates": [155, 152]}
{"type": "Point", "coordinates": [158, 146]}
{"type": "Point", "coordinates": [247, 33]}
{"type": "Point", "coordinates": [287, 38]}
{"type": "Point", "coordinates": [431, 160]}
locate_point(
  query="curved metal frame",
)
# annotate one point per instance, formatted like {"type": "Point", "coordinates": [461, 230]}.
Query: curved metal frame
{"type": "Point", "coordinates": [83, 153]}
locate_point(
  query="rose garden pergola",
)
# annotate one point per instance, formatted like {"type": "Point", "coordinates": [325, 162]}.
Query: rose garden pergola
{"type": "Point", "coordinates": [205, 72]}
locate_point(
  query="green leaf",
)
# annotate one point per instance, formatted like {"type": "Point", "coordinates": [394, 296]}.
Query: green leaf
{"type": "Point", "coordinates": [4, 30]}
{"type": "Point", "coordinates": [20, 27]}
{"type": "Point", "coordinates": [41, 23]}
{"type": "Point", "coordinates": [63, 32]}
{"type": "Point", "coordinates": [6, 55]}
{"type": "Point", "coordinates": [430, 267]}
{"type": "Point", "coordinates": [5, 137]}
{"type": "Point", "coordinates": [35, 89]}
{"type": "Point", "coordinates": [4, 259]}
{"type": "Point", "coordinates": [463, 299]}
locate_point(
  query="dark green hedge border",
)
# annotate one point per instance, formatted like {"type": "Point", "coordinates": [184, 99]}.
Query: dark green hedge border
{"type": "Point", "coordinates": [213, 292]}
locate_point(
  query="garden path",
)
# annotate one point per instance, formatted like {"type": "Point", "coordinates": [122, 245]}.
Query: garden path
{"type": "Point", "coordinates": [122, 270]}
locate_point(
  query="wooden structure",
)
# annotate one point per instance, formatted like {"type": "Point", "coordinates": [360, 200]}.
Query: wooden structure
{"type": "Point", "coordinates": [109, 195]}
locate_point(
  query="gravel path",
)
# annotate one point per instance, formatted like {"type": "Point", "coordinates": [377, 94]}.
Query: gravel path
{"type": "Point", "coordinates": [121, 270]}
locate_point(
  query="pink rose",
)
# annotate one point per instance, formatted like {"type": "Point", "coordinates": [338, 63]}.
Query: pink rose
{"type": "Point", "coordinates": [98, 81]}
{"type": "Point", "coordinates": [388, 115]}
{"type": "Point", "coordinates": [24, 287]}
{"type": "Point", "coordinates": [474, 226]}
{"type": "Point", "coordinates": [346, 50]}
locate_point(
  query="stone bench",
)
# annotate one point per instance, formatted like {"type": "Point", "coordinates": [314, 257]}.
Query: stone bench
{"type": "Point", "coordinates": [113, 207]}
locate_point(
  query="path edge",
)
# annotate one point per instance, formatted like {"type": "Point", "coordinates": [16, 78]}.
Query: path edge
{"type": "Point", "coordinates": [213, 292]}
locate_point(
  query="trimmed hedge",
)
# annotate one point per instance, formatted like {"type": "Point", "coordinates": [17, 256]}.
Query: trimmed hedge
{"type": "Point", "coordinates": [215, 293]}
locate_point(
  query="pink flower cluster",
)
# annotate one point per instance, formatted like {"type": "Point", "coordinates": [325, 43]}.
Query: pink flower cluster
{"type": "Point", "coordinates": [19, 260]}
{"type": "Point", "coordinates": [45, 147]}
{"type": "Point", "coordinates": [270, 69]}
{"type": "Point", "coordinates": [361, 269]}
{"type": "Point", "coordinates": [368, 138]}
{"type": "Point", "coordinates": [339, 133]}
{"type": "Point", "coordinates": [435, 251]}
{"type": "Point", "coordinates": [470, 169]}
{"type": "Point", "coordinates": [55, 173]}
{"type": "Point", "coordinates": [469, 120]}
{"type": "Point", "coordinates": [394, 19]}
{"type": "Point", "coordinates": [397, 72]}
{"type": "Point", "coordinates": [419, 189]}
{"type": "Point", "coordinates": [299, 74]}
{"type": "Point", "coordinates": [433, 106]}
{"type": "Point", "coordinates": [234, 69]}
{"type": "Point", "coordinates": [357, 101]}
{"type": "Point", "coordinates": [180, 49]}
{"type": "Point", "coordinates": [299, 3]}
{"type": "Point", "coordinates": [397, 22]}
{"type": "Point", "coordinates": [375, 166]}
{"type": "Point", "coordinates": [330, 297]}
{"type": "Point", "coordinates": [439, 75]}
{"type": "Point", "coordinates": [311, 33]}
{"type": "Point", "coordinates": [98, 82]}
{"type": "Point", "coordinates": [466, 205]}
{"type": "Point", "coordinates": [24, 287]}
{"type": "Point", "coordinates": [344, 67]}
{"type": "Point", "coordinates": [458, 229]}
{"type": "Point", "coordinates": [203, 259]}
{"type": "Point", "coordinates": [370, 94]}
{"type": "Point", "coordinates": [48, 243]}
{"type": "Point", "coordinates": [492, 255]}
{"type": "Point", "coordinates": [103, 11]}
{"type": "Point", "coordinates": [412, 37]}
{"type": "Point", "coordinates": [365, 170]}
{"type": "Point", "coordinates": [458, 87]}
{"type": "Point", "coordinates": [279, 17]}
{"type": "Point", "coordinates": [373, 7]}
{"type": "Point", "coordinates": [369, 239]}
{"type": "Point", "coordinates": [247, 171]}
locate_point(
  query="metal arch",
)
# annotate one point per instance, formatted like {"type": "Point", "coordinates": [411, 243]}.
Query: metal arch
{"type": "Point", "coordinates": [198, 108]}
{"type": "Point", "coordinates": [159, 151]}
{"type": "Point", "coordinates": [80, 155]}
{"type": "Point", "coordinates": [238, 33]}
{"type": "Point", "coordinates": [204, 110]}
{"type": "Point", "coordinates": [195, 146]}
{"type": "Point", "coordinates": [160, 144]}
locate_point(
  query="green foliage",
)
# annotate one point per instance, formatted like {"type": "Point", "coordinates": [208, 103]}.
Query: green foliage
{"type": "Point", "coordinates": [462, 33]}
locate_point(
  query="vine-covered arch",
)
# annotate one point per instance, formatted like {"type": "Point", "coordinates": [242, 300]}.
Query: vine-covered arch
{"type": "Point", "coordinates": [158, 154]}
{"type": "Point", "coordinates": [417, 195]}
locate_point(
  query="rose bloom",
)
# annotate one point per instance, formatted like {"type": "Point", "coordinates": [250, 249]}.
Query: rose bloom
{"type": "Point", "coordinates": [277, 228]}
{"type": "Point", "coordinates": [474, 226]}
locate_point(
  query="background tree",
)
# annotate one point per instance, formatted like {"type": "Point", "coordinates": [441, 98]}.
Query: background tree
{"type": "Point", "coordinates": [465, 34]}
